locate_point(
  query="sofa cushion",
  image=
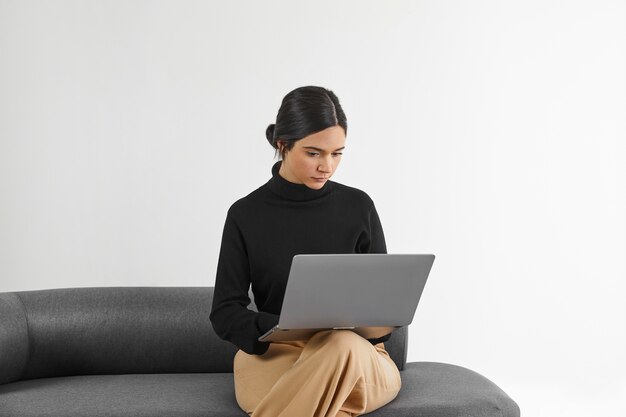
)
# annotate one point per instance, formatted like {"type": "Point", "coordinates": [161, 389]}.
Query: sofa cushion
{"type": "Point", "coordinates": [118, 330]}
{"type": "Point", "coordinates": [137, 395]}
{"type": "Point", "coordinates": [14, 345]}
{"type": "Point", "coordinates": [429, 389]}
{"type": "Point", "coordinates": [122, 330]}
{"type": "Point", "coordinates": [437, 389]}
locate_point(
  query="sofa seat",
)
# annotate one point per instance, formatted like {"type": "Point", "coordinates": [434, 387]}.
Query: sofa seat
{"type": "Point", "coordinates": [429, 389]}
{"type": "Point", "coordinates": [151, 351]}
{"type": "Point", "coordinates": [137, 395]}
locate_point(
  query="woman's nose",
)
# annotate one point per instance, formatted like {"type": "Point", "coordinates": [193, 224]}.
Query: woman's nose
{"type": "Point", "coordinates": [325, 167]}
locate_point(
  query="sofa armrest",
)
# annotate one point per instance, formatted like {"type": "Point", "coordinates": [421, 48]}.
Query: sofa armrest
{"type": "Point", "coordinates": [14, 343]}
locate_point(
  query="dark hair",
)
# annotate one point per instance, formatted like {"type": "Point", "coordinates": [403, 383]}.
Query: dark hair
{"type": "Point", "coordinates": [304, 111]}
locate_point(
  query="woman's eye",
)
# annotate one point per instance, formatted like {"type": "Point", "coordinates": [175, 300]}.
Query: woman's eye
{"type": "Point", "coordinates": [317, 153]}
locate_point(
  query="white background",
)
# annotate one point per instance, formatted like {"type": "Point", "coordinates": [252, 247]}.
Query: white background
{"type": "Point", "coordinates": [490, 133]}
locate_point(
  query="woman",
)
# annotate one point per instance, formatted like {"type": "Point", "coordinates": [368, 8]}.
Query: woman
{"type": "Point", "coordinates": [298, 211]}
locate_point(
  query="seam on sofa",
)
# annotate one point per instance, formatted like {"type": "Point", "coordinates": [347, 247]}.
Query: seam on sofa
{"type": "Point", "coordinates": [27, 335]}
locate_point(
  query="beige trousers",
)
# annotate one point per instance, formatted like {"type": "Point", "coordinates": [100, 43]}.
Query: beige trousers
{"type": "Point", "coordinates": [336, 373]}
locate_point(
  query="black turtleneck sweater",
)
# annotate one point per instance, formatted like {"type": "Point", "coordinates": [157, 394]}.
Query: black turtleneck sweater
{"type": "Point", "coordinates": [262, 233]}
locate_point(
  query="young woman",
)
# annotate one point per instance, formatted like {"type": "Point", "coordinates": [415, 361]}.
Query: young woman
{"type": "Point", "coordinates": [299, 211]}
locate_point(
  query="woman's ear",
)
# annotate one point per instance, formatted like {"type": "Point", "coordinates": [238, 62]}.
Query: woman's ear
{"type": "Point", "coordinates": [281, 145]}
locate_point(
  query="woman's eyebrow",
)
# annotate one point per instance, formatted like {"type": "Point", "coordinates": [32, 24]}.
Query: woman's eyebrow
{"type": "Point", "coordinates": [321, 150]}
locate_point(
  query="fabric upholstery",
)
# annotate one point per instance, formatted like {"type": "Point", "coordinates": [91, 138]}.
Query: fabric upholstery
{"type": "Point", "coordinates": [137, 395]}
{"type": "Point", "coordinates": [429, 389]}
{"type": "Point", "coordinates": [151, 351]}
{"type": "Point", "coordinates": [118, 330]}
{"type": "Point", "coordinates": [13, 338]}
{"type": "Point", "coordinates": [436, 389]}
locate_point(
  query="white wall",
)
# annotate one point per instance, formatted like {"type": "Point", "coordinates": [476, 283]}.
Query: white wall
{"type": "Point", "coordinates": [490, 133]}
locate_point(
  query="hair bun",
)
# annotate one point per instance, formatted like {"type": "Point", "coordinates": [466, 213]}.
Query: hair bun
{"type": "Point", "coordinates": [269, 134]}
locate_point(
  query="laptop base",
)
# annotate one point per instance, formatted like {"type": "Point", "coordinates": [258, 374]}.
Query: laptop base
{"type": "Point", "coordinates": [277, 334]}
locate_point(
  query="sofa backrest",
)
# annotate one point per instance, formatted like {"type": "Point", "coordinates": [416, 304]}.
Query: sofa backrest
{"type": "Point", "coordinates": [118, 330]}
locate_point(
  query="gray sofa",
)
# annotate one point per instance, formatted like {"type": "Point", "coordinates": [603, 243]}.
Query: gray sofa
{"type": "Point", "coordinates": [151, 351]}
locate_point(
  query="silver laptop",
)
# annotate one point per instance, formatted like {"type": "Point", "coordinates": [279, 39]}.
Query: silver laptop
{"type": "Point", "coordinates": [371, 294]}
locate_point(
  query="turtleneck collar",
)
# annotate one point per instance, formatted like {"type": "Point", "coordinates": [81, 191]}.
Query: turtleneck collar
{"type": "Point", "coordinates": [292, 191]}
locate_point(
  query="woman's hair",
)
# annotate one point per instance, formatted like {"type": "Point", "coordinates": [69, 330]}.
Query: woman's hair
{"type": "Point", "coordinates": [304, 111]}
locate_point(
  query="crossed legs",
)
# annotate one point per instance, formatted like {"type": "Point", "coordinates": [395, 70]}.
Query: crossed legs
{"type": "Point", "coordinates": [337, 373]}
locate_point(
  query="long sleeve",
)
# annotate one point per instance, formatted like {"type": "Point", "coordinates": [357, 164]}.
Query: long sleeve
{"type": "Point", "coordinates": [230, 317]}
{"type": "Point", "coordinates": [373, 238]}
{"type": "Point", "coordinates": [374, 242]}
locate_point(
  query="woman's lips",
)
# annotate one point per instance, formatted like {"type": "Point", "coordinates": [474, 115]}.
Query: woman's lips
{"type": "Point", "coordinates": [319, 179]}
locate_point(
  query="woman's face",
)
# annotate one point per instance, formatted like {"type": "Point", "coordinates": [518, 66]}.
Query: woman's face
{"type": "Point", "coordinates": [314, 158]}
